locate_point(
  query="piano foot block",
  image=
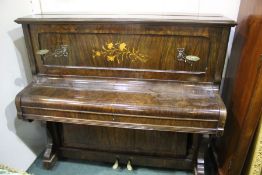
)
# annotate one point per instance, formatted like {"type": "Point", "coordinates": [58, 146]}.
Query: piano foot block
{"type": "Point", "coordinates": [48, 163]}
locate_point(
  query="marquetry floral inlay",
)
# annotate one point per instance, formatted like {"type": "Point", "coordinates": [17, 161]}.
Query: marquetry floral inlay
{"type": "Point", "coordinates": [118, 52]}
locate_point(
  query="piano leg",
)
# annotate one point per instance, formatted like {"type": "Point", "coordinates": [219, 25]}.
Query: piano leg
{"type": "Point", "coordinates": [50, 157]}
{"type": "Point", "coordinates": [200, 162]}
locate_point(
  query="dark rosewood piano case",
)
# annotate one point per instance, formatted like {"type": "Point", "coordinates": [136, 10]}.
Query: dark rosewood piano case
{"type": "Point", "coordinates": [138, 88]}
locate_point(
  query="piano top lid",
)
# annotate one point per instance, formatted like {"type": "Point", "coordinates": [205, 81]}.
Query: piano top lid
{"type": "Point", "coordinates": [131, 18]}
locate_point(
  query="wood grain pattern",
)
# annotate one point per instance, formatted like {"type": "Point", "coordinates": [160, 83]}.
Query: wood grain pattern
{"type": "Point", "coordinates": [111, 140]}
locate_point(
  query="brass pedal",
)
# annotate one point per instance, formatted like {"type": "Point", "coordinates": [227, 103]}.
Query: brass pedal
{"type": "Point", "coordinates": [129, 166]}
{"type": "Point", "coordinates": [116, 165]}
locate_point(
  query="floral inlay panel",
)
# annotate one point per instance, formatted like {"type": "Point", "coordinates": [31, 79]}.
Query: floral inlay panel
{"type": "Point", "coordinates": [118, 52]}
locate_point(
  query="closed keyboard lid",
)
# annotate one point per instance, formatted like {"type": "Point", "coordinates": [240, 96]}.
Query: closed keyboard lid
{"type": "Point", "coordinates": [161, 103]}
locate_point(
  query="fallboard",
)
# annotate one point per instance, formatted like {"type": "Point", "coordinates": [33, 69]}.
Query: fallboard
{"type": "Point", "coordinates": [131, 49]}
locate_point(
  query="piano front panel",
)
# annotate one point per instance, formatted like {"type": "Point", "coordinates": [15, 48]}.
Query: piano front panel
{"type": "Point", "coordinates": [140, 50]}
{"type": "Point", "coordinates": [128, 141]}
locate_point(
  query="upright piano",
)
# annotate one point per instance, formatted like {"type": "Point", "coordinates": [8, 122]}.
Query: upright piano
{"type": "Point", "coordinates": [126, 89]}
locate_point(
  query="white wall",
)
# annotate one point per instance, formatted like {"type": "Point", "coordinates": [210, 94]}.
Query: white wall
{"type": "Point", "coordinates": [224, 7]}
{"type": "Point", "coordinates": [21, 141]}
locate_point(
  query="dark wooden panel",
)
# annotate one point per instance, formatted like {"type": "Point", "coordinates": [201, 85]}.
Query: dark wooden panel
{"type": "Point", "coordinates": [134, 74]}
{"type": "Point", "coordinates": [125, 140]}
{"type": "Point", "coordinates": [244, 93]}
{"type": "Point", "coordinates": [144, 123]}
